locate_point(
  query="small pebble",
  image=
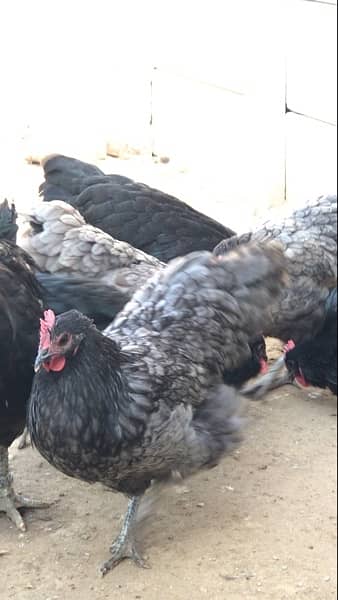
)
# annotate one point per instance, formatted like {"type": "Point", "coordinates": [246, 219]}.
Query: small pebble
{"type": "Point", "coordinates": [200, 504]}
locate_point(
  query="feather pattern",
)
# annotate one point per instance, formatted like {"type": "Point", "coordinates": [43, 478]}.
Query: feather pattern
{"type": "Point", "coordinates": [147, 398]}
{"type": "Point", "coordinates": [60, 241]}
{"type": "Point", "coordinates": [309, 239]}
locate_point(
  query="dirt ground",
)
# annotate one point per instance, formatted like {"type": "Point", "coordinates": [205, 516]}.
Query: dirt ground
{"type": "Point", "coordinates": [260, 525]}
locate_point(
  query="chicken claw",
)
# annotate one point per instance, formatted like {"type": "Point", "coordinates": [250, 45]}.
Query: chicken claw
{"type": "Point", "coordinates": [124, 545]}
{"type": "Point", "coordinates": [10, 502]}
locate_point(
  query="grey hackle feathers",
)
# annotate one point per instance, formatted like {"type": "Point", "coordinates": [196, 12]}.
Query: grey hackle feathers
{"type": "Point", "coordinates": [147, 400]}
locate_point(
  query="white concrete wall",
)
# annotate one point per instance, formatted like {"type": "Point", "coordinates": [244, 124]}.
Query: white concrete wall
{"type": "Point", "coordinates": [77, 75]}
{"type": "Point", "coordinates": [311, 129]}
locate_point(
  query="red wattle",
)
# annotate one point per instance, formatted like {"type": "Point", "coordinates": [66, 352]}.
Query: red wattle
{"type": "Point", "coordinates": [56, 363]}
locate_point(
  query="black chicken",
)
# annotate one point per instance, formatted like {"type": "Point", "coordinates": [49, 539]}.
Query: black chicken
{"type": "Point", "coordinates": [147, 218]}
{"type": "Point", "coordinates": [23, 294]}
{"type": "Point", "coordinates": [309, 239]}
{"type": "Point", "coordinates": [147, 399]}
{"type": "Point", "coordinates": [20, 310]}
{"type": "Point", "coordinates": [314, 362]}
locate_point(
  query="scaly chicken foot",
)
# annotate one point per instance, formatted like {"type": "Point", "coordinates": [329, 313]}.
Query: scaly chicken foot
{"type": "Point", "coordinates": [10, 502]}
{"type": "Point", "coordinates": [124, 546]}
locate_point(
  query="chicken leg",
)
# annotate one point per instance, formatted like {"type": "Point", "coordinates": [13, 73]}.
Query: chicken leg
{"type": "Point", "coordinates": [9, 500]}
{"type": "Point", "coordinates": [124, 546]}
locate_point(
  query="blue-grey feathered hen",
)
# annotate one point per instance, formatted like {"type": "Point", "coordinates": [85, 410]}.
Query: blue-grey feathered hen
{"type": "Point", "coordinates": [309, 239]}
{"type": "Point", "coordinates": [147, 399]}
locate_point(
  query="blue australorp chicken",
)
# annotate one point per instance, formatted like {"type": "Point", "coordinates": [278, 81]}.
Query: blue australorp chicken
{"type": "Point", "coordinates": [309, 239]}
{"type": "Point", "coordinates": [146, 399]}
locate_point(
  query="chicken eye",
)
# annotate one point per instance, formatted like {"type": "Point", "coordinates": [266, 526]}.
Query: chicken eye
{"type": "Point", "coordinates": [63, 339]}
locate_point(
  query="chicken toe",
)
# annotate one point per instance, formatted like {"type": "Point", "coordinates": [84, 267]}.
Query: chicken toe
{"type": "Point", "coordinates": [10, 502]}
{"type": "Point", "coordinates": [124, 546]}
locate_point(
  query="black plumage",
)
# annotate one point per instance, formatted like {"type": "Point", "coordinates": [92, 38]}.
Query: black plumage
{"type": "Point", "coordinates": [96, 300]}
{"type": "Point", "coordinates": [20, 310]}
{"type": "Point", "coordinates": [24, 293]}
{"type": "Point", "coordinates": [314, 362]}
{"type": "Point", "coordinates": [147, 399]}
{"type": "Point", "coordinates": [8, 226]}
{"type": "Point", "coordinates": [146, 218]}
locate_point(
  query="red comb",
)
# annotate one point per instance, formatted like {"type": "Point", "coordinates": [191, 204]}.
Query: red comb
{"type": "Point", "coordinates": [46, 325]}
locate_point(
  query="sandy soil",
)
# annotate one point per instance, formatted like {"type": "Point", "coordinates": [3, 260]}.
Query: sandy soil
{"type": "Point", "coordinates": [260, 525]}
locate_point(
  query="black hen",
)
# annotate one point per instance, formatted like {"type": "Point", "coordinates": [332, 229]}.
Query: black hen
{"type": "Point", "coordinates": [314, 362]}
{"type": "Point", "coordinates": [147, 399]}
{"type": "Point", "coordinates": [144, 217]}
{"type": "Point", "coordinates": [20, 310]}
{"type": "Point", "coordinates": [23, 294]}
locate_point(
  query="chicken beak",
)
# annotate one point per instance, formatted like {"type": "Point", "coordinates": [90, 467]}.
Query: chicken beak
{"type": "Point", "coordinates": [43, 355]}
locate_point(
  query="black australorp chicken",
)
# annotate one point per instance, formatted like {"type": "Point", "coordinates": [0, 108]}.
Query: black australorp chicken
{"type": "Point", "coordinates": [23, 294]}
{"type": "Point", "coordinates": [147, 399]}
{"type": "Point", "coordinates": [144, 217]}
{"type": "Point", "coordinates": [20, 310]}
{"type": "Point", "coordinates": [309, 239]}
{"type": "Point", "coordinates": [314, 362]}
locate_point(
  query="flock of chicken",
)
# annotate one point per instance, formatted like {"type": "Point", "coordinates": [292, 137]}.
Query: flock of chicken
{"type": "Point", "coordinates": [140, 379]}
